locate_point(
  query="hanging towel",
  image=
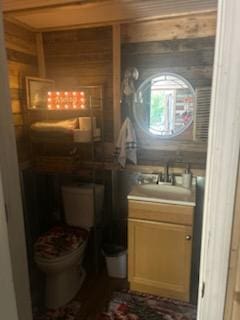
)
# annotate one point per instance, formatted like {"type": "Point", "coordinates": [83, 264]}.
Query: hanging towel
{"type": "Point", "coordinates": [126, 147]}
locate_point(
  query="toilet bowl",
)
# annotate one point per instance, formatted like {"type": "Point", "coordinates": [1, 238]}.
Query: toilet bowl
{"type": "Point", "coordinates": [60, 251]}
{"type": "Point", "coordinates": [64, 277]}
{"type": "Point", "coordinates": [61, 263]}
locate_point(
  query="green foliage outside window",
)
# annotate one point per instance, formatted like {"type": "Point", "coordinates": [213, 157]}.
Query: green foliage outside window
{"type": "Point", "coordinates": [157, 108]}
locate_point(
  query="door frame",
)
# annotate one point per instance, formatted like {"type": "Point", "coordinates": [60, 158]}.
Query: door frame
{"type": "Point", "coordinates": [222, 164]}
{"type": "Point", "coordinates": [8, 304]}
{"type": "Point", "coordinates": [15, 301]}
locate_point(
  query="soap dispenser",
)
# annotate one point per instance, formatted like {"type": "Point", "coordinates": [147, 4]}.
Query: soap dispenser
{"type": "Point", "coordinates": [187, 178]}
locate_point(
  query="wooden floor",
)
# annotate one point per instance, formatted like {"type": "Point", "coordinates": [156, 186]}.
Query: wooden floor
{"type": "Point", "coordinates": [96, 293]}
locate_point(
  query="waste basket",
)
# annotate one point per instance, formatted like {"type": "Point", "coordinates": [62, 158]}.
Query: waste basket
{"type": "Point", "coordinates": [116, 260]}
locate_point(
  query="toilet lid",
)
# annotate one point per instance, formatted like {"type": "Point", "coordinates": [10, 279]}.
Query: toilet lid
{"type": "Point", "coordinates": [59, 241]}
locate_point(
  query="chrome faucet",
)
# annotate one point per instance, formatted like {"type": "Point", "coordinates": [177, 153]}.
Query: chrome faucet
{"type": "Point", "coordinates": [166, 177]}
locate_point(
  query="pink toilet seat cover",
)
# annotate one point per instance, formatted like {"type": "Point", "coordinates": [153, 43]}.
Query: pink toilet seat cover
{"type": "Point", "coordinates": [59, 241]}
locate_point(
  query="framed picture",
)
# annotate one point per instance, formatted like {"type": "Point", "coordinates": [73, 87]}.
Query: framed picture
{"type": "Point", "coordinates": [37, 92]}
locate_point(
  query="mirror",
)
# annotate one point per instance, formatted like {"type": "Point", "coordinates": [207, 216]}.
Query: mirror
{"type": "Point", "coordinates": [164, 105]}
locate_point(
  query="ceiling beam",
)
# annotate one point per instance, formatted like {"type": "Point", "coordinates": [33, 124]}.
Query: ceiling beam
{"type": "Point", "coordinates": [33, 6]}
{"type": "Point", "coordinates": [15, 6]}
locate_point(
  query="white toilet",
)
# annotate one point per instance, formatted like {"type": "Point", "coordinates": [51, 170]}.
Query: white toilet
{"type": "Point", "coordinates": [59, 252]}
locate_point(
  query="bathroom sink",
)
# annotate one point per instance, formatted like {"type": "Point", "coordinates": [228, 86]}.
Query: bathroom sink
{"type": "Point", "coordinates": [164, 193]}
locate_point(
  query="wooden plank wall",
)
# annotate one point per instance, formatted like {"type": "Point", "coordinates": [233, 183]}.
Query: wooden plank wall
{"type": "Point", "coordinates": [184, 45]}
{"type": "Point", "coordinates": [22, 61]}
{"type": "Point", "coordinates": [179, 50]}
{"type": "Point", "coordinates": [185, 27]}
{"type": "Point", "coordinates": [82, 57]}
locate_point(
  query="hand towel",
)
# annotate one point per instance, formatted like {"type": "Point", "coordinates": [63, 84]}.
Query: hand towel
{"type": "Point", "coordinates": [126, 147]}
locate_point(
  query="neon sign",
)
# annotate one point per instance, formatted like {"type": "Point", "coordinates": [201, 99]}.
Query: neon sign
{"type": "Point", "coordinates": [64, 100]}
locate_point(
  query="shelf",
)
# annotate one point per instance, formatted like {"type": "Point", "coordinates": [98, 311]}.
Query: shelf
{"type": "Point", "coordinates": [61, 140]}
{"type": "Point", "coordinates": [65, 110]}
{"type": "Point", "coordinates": [66, 165]}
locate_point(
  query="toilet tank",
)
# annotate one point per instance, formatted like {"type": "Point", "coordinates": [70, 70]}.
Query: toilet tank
{"type": "Point", "coordinates": [78, 202]}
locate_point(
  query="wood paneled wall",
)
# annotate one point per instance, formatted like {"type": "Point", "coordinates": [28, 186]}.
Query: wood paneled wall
{"type": "Point", "coordinates": [82, 57]}
{"type": "Point", "coordinates": [22, 61]}
{"type": "Point", "coordinates": [190, 58]}
{"type": "Point", "coordinates": [183, 27]}
{"type": "Point", "coordinates": [183, 45]}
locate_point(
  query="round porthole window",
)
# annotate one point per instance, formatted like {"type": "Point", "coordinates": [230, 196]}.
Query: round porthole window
{"type": "Point", "coordinates": [164, 105]}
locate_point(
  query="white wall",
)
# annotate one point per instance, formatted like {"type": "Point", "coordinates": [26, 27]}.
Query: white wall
{"type": "Point", "coordinates": [222, 163]}
{"type": "Point", "coordinates": [11, 200]}
{"type": "Point", "coordinates": [8, 307]}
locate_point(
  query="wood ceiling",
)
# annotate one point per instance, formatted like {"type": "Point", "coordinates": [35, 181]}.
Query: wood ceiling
{"type": "Point", "coordinates": [46, 15]}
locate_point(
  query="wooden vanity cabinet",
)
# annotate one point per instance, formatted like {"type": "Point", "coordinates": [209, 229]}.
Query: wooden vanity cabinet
{"type": "Point", "coordinates": [160, 248]}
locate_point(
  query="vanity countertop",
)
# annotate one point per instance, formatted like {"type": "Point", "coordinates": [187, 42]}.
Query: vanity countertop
{"type": "Point", "coordinates": [164, 193]}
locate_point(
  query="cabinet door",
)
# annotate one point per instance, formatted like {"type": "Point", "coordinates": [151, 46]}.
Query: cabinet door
{"type": "Point", "coordinates": [159, 258]}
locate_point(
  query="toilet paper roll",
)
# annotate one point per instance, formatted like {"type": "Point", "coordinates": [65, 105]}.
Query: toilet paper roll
{"type": "Point", "coordinates": [85, 123]}
{"type": "Point", "coordinates": [187, 180]}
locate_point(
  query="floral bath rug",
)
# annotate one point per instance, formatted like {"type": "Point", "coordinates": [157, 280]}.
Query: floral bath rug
{"type": "Point", "coordinates": [135, 306]}
{"type": "Point", "coordinates": [68, 312]}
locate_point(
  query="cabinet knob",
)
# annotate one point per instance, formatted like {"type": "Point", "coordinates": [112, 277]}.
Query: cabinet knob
{"type": "Point", "coordinates": [188, 237]}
